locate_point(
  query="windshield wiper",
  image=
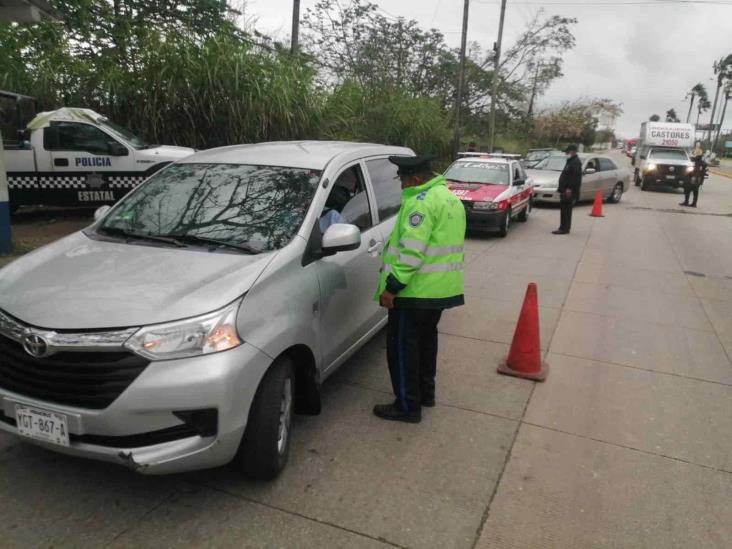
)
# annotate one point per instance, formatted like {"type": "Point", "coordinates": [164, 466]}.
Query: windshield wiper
{"type": "Point", "coordinates": [214, 243]}
{"type": "Point", "coordinates": [117, 231]}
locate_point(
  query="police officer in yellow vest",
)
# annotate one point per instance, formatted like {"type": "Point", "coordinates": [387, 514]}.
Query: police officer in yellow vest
{"type": "Point", "coordinates": [422, 275]}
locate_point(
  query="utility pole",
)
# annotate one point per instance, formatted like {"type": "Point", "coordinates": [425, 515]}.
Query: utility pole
{"type": "Point", "coordinates": [496, 62]}
{"type": "Point", "coordinates": [727, 97]}
{"type": "Point", "coordinates": [461, 78]}
{"type": "Point", "coordinates": [295, 26]}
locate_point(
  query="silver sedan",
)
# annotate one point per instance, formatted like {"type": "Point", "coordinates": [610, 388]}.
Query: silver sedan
{"type": "Point", "coordinates": [599, 173]}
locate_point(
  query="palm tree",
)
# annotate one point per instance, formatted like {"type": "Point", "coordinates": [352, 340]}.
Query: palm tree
{"type": "Point", "coordinates": [723, 70]}
{"type": "Point", "coordinates": [702, 106]}
{"type": "Point", "coordinates": [697, 91]}
{"type": "Point", "coordinates": [671, 116]}
{"type": "Point", "coordinates": [727, 97]}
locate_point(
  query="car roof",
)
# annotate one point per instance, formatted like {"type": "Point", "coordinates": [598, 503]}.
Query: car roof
{"type": "Point", "coordinates": [314, 155]}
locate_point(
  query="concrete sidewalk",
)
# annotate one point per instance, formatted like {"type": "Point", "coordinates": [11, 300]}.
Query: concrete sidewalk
{"type": "Point", "coordinates": [627, 443]}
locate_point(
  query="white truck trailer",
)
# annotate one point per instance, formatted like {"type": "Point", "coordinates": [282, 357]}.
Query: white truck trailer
{"type": "Point", "coordinates": [77, 157]}
{"type": "Point", "coordinates": [662, 155]}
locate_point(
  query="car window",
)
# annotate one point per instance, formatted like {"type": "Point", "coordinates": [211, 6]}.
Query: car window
{"type": "Point", "coordinates": [606, 165]}
{"type": "Point", "coordinates": [495, 173]}
{"type": "Point", "coordinates": [348, 201]}
{"type": "Point", "coordinates": [262, 206]}
{"type": "Point", "coordinates": [593, 164]}
{"type": "Point", "coordinates": [74, 136]}
{"type": "Point", "coordinates": [387, 189]}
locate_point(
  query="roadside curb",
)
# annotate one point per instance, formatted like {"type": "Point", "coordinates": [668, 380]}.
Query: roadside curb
{"type": "Point", "coordinates": [723, 174]}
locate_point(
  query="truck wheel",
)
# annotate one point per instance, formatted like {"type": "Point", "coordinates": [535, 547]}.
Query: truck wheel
{"type": "Point", "coordinates": [265, 445]}
{"type": "Point", "coordinates": [503, 231]}
{"type": "Point", "coordinates": [617, 194]}
{"type": "Point", "coordinates": [524, 215]}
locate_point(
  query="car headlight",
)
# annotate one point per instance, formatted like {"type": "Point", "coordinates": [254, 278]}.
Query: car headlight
{"type": "Point", "coordinates": [650, 167]}
{"type": "Point", "coordinates": [484, 205]}
{"type": "Point", "coordinates": [201, 335]}
{"type": "Point", "coordinates": [689, 169]}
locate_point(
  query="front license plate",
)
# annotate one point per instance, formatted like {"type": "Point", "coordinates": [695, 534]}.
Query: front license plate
{"type": "Point", "coordinates": [42, 425]}
{"type": "Point", "coordinates": [670, 177]}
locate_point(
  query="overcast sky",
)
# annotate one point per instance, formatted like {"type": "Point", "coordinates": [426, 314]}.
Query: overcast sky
{"type": "Point", "coordinates": [645, 56]}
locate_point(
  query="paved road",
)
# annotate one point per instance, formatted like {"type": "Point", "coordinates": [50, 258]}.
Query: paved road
{"type": "Point", "coordinates": [626, 445]}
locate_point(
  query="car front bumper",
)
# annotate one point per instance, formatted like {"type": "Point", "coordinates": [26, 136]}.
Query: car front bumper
{"type": "Point", "coordinates": [485, 220]}
{"type": "Point", "coordinates": [546, 195]}
{"type": "Point", "coordinates": [139, 429]}
{"type": "Point", "coordinates": [675, 181]}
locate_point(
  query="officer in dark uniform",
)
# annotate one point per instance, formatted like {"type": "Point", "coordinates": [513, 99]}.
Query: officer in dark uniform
{"type": "Point", "coordinates": [570, 181]}
{"type": "Point", "coordinates": [691, 185]}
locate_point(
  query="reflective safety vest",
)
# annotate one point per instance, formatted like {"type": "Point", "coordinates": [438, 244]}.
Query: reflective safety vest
{"type": "Point", "coordinates": [423, 260]}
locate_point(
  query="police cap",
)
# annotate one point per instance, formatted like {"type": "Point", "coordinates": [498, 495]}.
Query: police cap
{"type": "Point", "coordinates": [571, 148]}
{"type": "Point", "coordinates": [411, 165]}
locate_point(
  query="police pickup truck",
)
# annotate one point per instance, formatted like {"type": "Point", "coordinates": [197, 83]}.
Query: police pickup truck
{"type": "Point", "coordinates": [77, 157]}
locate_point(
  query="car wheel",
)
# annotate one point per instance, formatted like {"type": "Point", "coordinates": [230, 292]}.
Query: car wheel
{"type": "Point", "coordinates": [617, 194]}
{"type": "Point", "coordinates": [524, 215]}
{"type": "Point", "coordinates": [265, 445]}
{"type": "Point", "coordinates": [503, 231]}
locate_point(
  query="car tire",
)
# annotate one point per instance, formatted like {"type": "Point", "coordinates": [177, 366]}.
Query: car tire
{"type": "Point", "coordinates": [265, 445]}
{"type": "Point", "coordinates": [616, 194]}
{"type": "Point", "coordinates": [523, 217]}
{"type": "Point", "coordinates": [503, 231]}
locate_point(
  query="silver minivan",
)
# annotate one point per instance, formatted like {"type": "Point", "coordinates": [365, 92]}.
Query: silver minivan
{"type": "Point", "coordinates": [183, 328]}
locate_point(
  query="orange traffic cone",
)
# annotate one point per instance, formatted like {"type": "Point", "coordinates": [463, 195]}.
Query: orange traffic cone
{"type": "Point", "coordinates": [597, 206]}
{"type": "Point", "coordinates": [524, 358]}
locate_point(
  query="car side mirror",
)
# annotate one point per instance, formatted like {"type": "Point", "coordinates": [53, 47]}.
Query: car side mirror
{"type": "Point", "coordinates": [341, 237]}
{"type": "Point", "coordinates": [117, 149]}
{"type": "Point", "coordinates": [589, 171]}
{"type": "Point", "coordinates": [101, 211]}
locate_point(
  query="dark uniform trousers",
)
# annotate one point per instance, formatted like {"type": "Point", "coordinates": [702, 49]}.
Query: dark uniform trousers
{"type": "Point", "coordinates": [691, 188]}
{"type": "Point", "coordinates": [411, 351]}
{"type": "Point", "coordinates": [565, 211]}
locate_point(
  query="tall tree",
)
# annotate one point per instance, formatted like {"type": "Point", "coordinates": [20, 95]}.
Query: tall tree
{"type": "Point", "coordinates": [671, 116]}
{"type": "Point", "coordinates": [698, 90]}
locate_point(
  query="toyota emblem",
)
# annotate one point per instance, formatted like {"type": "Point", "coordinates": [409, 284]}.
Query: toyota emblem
{"type": "Point", "coordinates": [35, 345]}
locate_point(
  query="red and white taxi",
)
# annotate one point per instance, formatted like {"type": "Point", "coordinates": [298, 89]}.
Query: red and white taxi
{"type": "Point", "coordinates": [493, 188]}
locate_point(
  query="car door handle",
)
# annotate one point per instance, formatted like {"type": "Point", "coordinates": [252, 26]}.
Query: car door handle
{"type": "Point", "coordinates": [374, 246]}
{"type": "Point", "coordinates": [60, 161]}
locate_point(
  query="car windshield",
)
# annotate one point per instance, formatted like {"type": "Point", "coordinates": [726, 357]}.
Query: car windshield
{"type": "Point", "coordinates": [260, 207]}
{"type": "Point", "coordinates": [124, 133]}
{"type": "Point", "coordinates": [536, 155]}
{"type": "Point", "coordinates": [552, 164]}
{"type": "Point", "coordinates": [478, 172]}
{"type": "Point", "coordinates": [667, 154]}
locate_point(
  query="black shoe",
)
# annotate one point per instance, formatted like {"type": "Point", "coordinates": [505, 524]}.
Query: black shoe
{"type": "Point", "coordinates": [692, 205]}
{"type": "Point", "coordinates": [683, 203]}
{"type": "Point", "coordinates": [428, 402]}
{"type": "Point", "coordinates": [395, 413]}
{"type": "Point", "coordinates": [560, 231]}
